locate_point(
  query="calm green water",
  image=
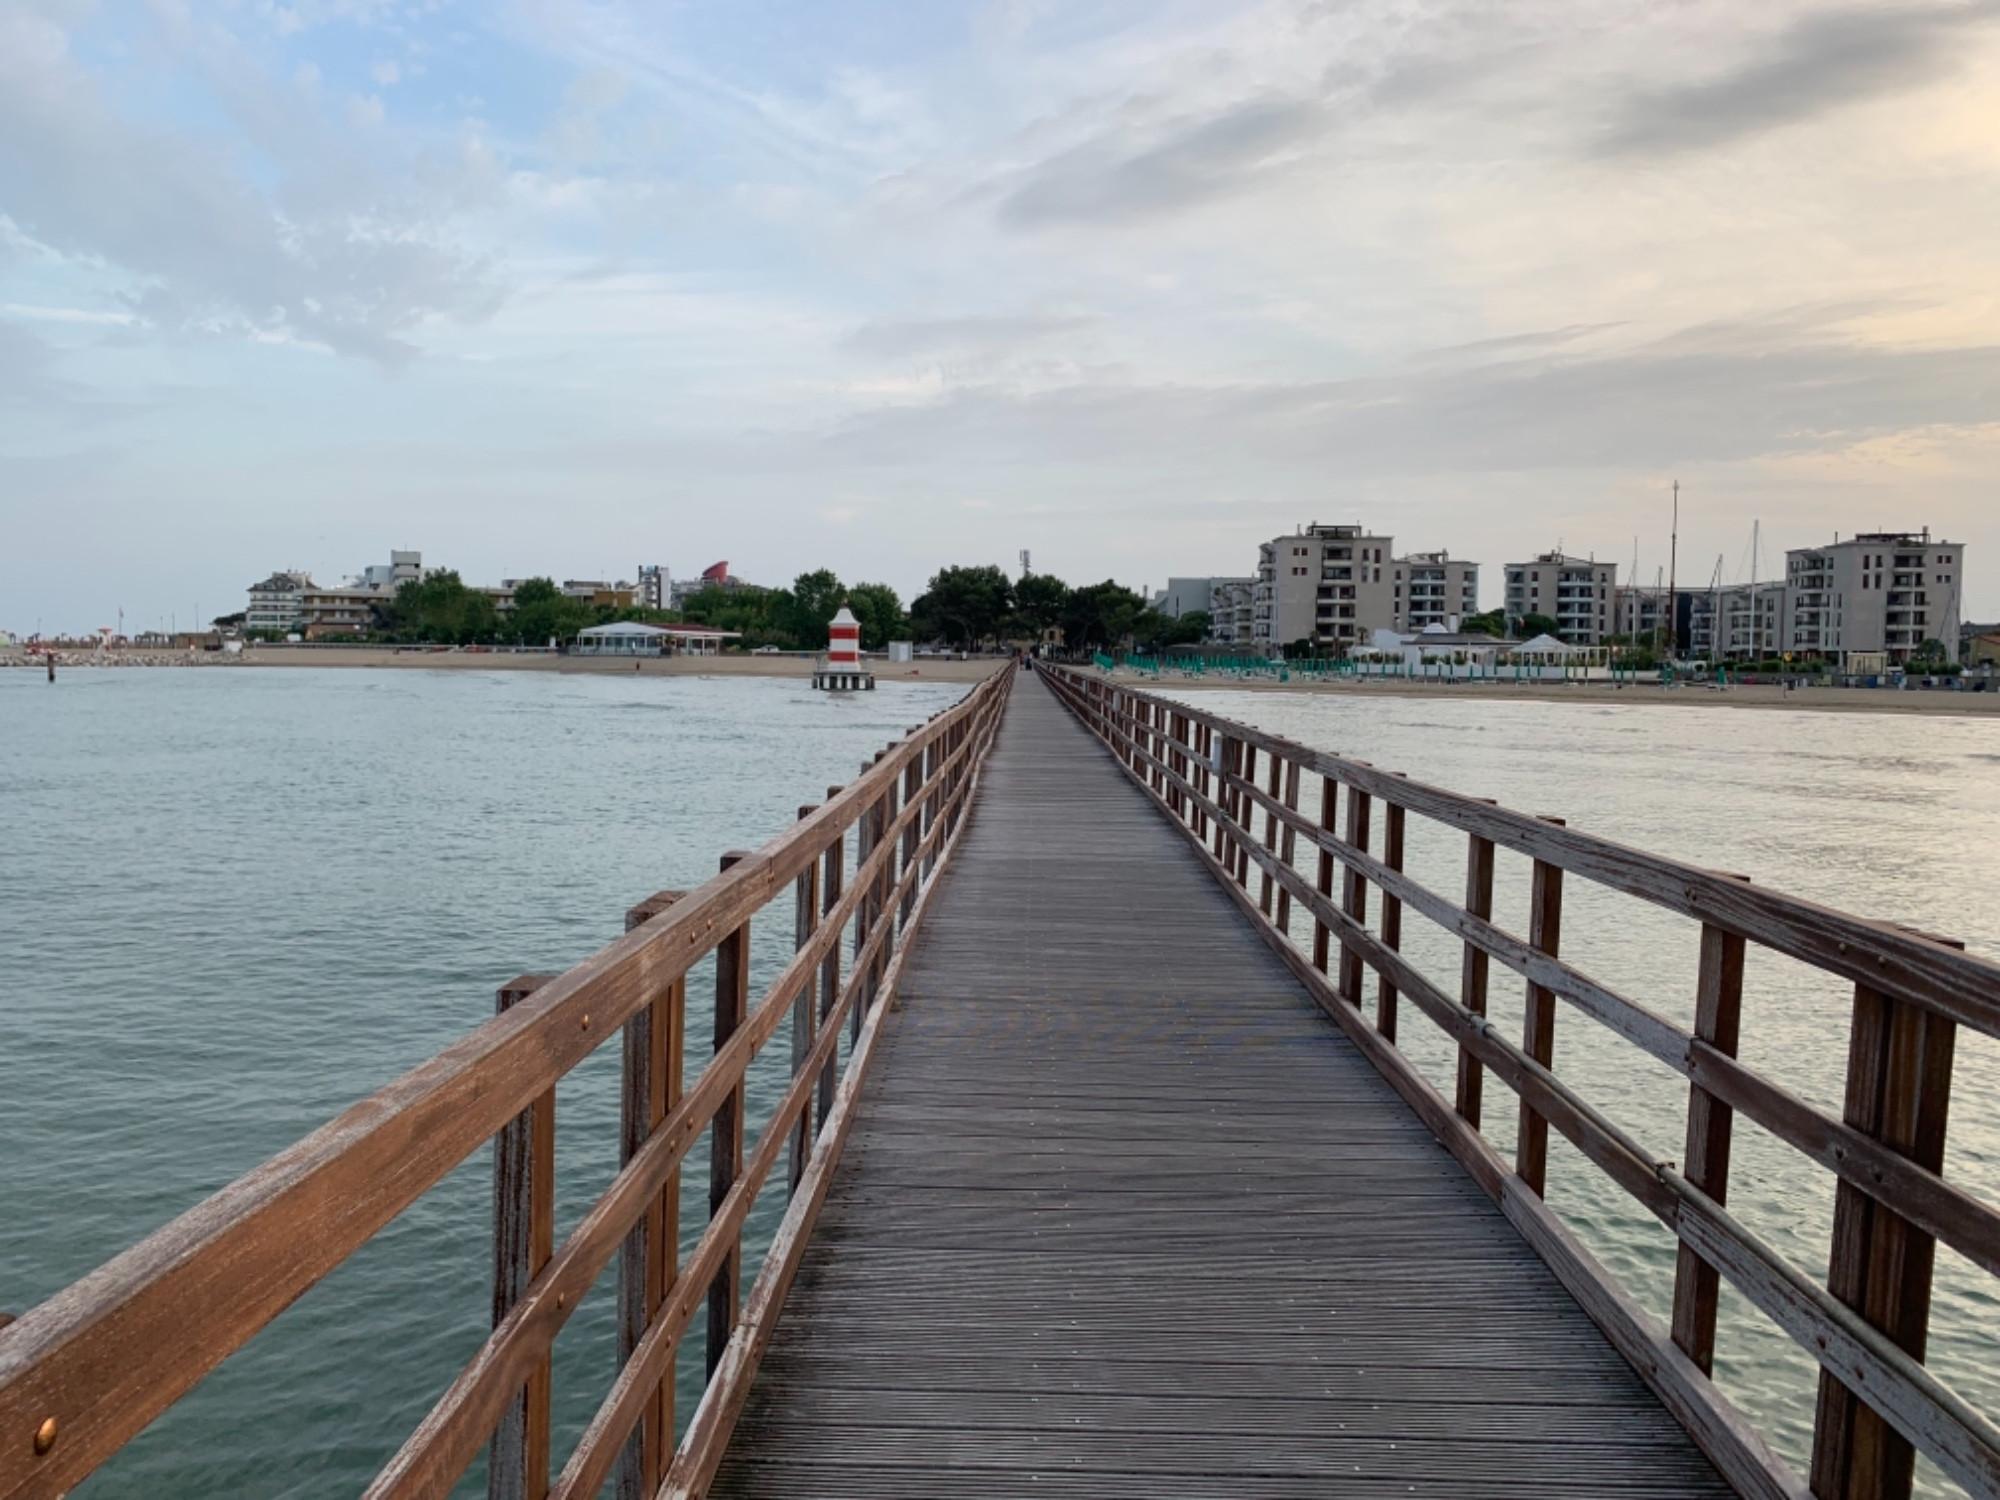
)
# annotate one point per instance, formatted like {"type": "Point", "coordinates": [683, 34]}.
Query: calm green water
{"type": "Point", "coordinates": [1886, 815]}
{"type": "Point", "coordinates": [232, 902]}
{"type": "Point", "coordinates": [236, 901]}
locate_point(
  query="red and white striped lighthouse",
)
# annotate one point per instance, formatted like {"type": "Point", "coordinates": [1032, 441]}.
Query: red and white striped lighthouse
{"type": "Point", "coordinates": [842, 670]}
{"type": "Point", "coordinates": [843, 640]}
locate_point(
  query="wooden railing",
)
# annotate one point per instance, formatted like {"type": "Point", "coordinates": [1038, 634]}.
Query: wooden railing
{"type": "Point", "coordinates": [1868, 1325]}
{"type": "Point", "coordinates": [88, 1369]}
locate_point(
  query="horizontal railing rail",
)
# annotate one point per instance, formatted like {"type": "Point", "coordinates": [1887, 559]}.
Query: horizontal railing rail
{"type": "Point", "coordinates": [87, 1370]}
{"type": "Point", "coordinates": [1868, 1325]}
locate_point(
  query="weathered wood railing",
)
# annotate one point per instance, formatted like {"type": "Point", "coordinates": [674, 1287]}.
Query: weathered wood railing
{"type": "Point", "coordinates": [88, 1369]}
{"type": "Point", "coordinates": [1867, 1327]}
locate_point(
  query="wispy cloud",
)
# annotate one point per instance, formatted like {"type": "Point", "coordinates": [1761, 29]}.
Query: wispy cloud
{"type": "Point", "coordinates": [1189, 164]}
{"type": "Point", "coordinates": [1818, 64]}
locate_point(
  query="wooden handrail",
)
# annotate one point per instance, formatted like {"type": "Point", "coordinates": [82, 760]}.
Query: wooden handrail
{"type": "Point", "coordinates": [1889, 959]}
{"type": "Point", "coordinates": [1866, 1333]}
{"type": "Point", "coordinates": [98, 1361]}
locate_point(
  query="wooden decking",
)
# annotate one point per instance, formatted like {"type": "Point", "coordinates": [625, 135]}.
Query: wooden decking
{"type": "Point", "coordinates": [1124, 1214]}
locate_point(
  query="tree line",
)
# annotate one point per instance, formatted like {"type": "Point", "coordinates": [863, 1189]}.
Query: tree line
{"type": "Point", "coordinates": [961, 606]}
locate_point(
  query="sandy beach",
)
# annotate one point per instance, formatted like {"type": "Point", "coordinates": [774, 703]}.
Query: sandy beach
{"type": "Point", "coordinates": [925, 669]}
{"type": "Point", "coordinates": [940, 669]}
{"type": "Point", "coordinates": [1690, 695]}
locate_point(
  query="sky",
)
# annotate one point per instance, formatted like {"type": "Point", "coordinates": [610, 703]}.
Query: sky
{"type": "Point", "coordinates": [548, 287]}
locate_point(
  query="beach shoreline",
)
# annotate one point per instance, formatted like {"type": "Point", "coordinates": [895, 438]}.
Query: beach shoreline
{"type": "Point", "coordinates": [790, 665]}
{"type": "Point", "coordinates": [1937, 701]}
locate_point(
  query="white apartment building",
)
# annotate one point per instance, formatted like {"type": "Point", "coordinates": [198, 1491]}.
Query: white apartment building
{"type": "Point", "coordinates": [276, 604]}
{"type": "Point", "coordinates": [1331, 585]}
{"type": "Point", "coordinates": [1884, 591]}
{"type": "Point", "coordinates": [1431, 588]}
{"type": "Point", "coordinates": [1575, 592]}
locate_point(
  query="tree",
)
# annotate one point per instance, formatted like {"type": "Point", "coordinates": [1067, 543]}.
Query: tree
{"type": "Point", "coordinates": [1039, 601]}
{"type": "Point", "coordinates": [1929, 656]}
{"type": "Point", "coordinates": [965, 605]}
{"type": "Point", "coordinates": [1493, 623]}
{"type": "Point", "coordinates": [1529, 626]}
{"type": "Point", "coordinates": [805, 612]}
{"type": "Point", "coordinates": [1102, 614]}
{"type": "Point", "coordinates": [1189, 629]}
{"type": "Point", "coordinates": [542, 613]}
{"type": "Point", "coordinates": [441, 608]}
{"type": "Point", "coordinates": [880, 612]}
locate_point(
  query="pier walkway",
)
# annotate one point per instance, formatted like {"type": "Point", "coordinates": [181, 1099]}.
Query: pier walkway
{"type": "Point", "coordinates": [1103, 1171]}
{"type": "Point", "coordinates": [1122, 1213]}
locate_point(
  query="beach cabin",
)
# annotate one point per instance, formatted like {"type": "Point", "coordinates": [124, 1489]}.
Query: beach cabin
{"type": "Point", "coordinates": [630, 638]}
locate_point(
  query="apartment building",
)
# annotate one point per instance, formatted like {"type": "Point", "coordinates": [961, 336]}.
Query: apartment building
{"type": "Point", "coordinates": [1432, 588]}
{"type": "Point", "coordinates": [1228, 603]}
{"type": "Point", "coordinates": [1884, 591]}
{"type": "Point", "coordinates": [1331, 585]}
{"type": "Point", "coordinates": [275, 604]}
{"type": "Point", "coordinates": [1575, 592]}
{"type": "Point", "coordinates": [1738, 622]}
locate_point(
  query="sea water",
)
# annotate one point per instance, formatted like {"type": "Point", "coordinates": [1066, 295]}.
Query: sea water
{"type": "Point", "coordinates": [232, 902]}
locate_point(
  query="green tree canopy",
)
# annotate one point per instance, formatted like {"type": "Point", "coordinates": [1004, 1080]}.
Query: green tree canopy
{"type": "Point", "coordinates": [963, 605]}
{"type": "Point", "coordinates": [1493, 623]}
{"type": "Point", "coordinates": [542, 614]}
{"type": "Point", "coordinates": [1529, 626]}
{"type": "Point", "coordinates": [881, 615]}
{"type": "Point", "coordinates": [1039, 601]}
{"type": "Point", "coordinates": [441, 608]}
{"type": "Point", "coordinates": [814, 599]}
{"type": "Point", "coordinates": [1103, 614]}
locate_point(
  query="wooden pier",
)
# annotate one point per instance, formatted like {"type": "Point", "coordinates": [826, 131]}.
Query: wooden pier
{"type": "Point", "coordinates": [1123, 1214]}
{"type": "Point", "coordinates": [1105, 1172]}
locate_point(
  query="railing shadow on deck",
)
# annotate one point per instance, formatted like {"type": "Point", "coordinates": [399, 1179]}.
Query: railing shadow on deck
{"type": "Point", "coordinates": [1867, 1327]}
{"type": "Point", "coordinates": [87, 1370]}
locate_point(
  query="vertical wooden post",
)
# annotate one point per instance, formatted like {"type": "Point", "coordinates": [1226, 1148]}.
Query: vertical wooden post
{"type": "Point", "coordinates": [524, 1162]}
{"type": "Point", "coordinates": [1392, 917]}
{"type": "Point", "coordinates": [648, 1261]}
{"type": "Point", "coordinates": [1472, 974]}
{"type": "Point", "coordinates": [1288, 843]}
{"type": "Point", "coordinates": [1354, 895]}
{"type": "Point", "coordinates": [1531, 1149]}
{"type": "Point", "coordinates": [1204, 738]}
{"type": "Point", "coordinates": [833, 882]}
{"type": "Point", "coordinates": [1329, 819]}
{"type": "Point", "coordinates": [1718, 1011]}
{"type": "Point", "coordinates": [1177, 758]}
{"type": "Point", "coordinates": [1220, 794]}
{"type": "Point", "coordinates": [805, 1015]}
{"type": "Point", "coordinates": [732, 1008]}
{"type": "Point", "coordinates": [1266, 883]}
{"type": "Point", "coordinates": [1899, 1064]}
{"type": "Point", "coordinates": [864, 911]}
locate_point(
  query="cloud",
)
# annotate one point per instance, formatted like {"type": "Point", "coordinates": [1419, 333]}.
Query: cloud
{"type": "Point", "coordinates": [973, 337]}
{"type": "Point", "coordinates": [1817, 65]}
{"type": "Point", "coordinates": [1725, 393]}
{"type": "Point", "coordinates": [200, 246]}
{"type": "Point", "coordinates": [1193, 163]}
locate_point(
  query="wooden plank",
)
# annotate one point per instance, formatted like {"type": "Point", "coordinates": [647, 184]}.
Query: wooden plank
{"type": "Point", "coordinates": [649, 1082]}
{"type": "Point", "coordinates": [1288, 843]}
{"type": "Point", "coordinates": [725, 1162]}
{"type": "Point", "coordinates": [1354, 893]}
{"type": "Point", "coordinates": [1718, 1013]}
{"type": "Point", "coordinates": [1392, 918]}
{"type": "Point", "coordinates": [1329, 810]}
{"type": "Point", "coordinates": [1472, 972]}
{"type": "Point", "coordinates": [833, 871]}
{"type": "Point", "coordinates": [1531, 1156]}
{"type": "Point", "coordinates": [523, 1240]}
{"type": "Point", "coordinates": [805, 1014]}
{"type": "Point", "coordinates": [1899, 1070]}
